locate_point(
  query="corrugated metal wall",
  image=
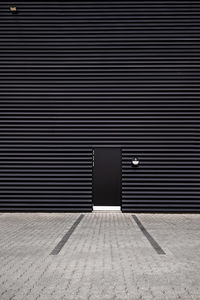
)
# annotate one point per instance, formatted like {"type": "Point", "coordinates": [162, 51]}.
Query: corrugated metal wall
{"type": "Point", "coordinates": [76, 75]}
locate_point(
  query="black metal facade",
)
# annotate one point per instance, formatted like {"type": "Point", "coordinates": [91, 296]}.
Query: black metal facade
{"type": "Point", "coordinates": [78, 75]}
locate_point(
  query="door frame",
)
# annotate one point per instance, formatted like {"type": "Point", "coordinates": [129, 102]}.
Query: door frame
{"type": "Point", "coordinates": [93, 162]}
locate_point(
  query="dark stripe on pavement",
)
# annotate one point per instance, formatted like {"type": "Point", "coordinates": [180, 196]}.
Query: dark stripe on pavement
{"type": "Point", "coordinates": [151, 240]}
{"type": "Point", "coordinates": [65, 238]}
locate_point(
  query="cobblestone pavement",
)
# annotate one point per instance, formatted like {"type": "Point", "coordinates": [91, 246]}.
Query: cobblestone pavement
{"type": "Point", "coordinates": [107, 256]}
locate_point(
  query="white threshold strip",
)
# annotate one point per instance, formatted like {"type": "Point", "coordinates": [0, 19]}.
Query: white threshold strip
{"type": "Point", "coordinates": [107, 208]}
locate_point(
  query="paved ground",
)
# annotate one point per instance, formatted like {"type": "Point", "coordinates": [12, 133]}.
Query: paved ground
{"type": "Point", "coordinates": [107, 256]}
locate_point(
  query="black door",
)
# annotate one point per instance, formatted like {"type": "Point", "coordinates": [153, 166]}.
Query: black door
{"type": "Point", "coordinates": [107, 177]}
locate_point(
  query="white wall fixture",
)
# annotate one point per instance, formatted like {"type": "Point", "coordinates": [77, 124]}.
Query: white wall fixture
{"type": "Point", "coordinates": [135, 162]}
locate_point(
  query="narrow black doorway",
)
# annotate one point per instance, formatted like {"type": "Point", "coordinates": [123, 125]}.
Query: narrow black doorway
{"type": "Point", "coordinates": [107, 177]}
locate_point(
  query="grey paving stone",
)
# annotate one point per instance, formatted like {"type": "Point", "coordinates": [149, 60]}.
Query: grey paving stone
{"type": "Point", "coordinates": [106, 257]}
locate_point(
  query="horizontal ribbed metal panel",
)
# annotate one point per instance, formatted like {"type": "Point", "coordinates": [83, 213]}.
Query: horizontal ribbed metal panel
{"type": "Point", "coordinates": [45, 178]}
{"type": "Point", "coordinates": [77, 75]}
{"type": "Point", "coordinates": [164, 181]}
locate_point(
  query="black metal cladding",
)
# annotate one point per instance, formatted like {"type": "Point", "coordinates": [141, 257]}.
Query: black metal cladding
{"type": "Point", "coordinates": [76, 75]}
